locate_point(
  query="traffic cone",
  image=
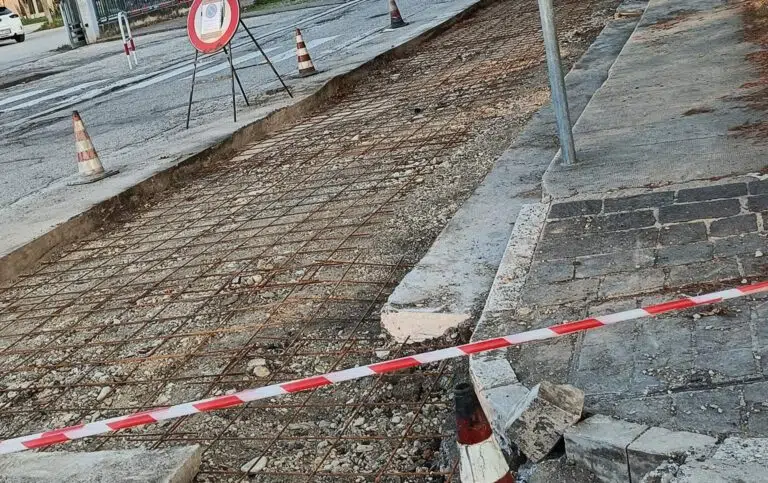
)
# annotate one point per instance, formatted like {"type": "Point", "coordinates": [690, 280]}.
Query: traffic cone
{"type": "Point", "coordinates": [306, 67]}
{"type": "Point", "coordinates": [395, 19]}
{"type": "Point", "coordinates": [88, 162]}
{"type": "Point", "coordinates": [481, 458]}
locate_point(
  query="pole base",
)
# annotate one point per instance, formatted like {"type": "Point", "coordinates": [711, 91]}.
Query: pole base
{"type": "Point", "coordinates": [93, 179]}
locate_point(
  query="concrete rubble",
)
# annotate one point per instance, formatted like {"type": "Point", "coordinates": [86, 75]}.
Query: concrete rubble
{"type": "Point", "coordinates": [169, 465]}
{"type": "Point", "coordinates": [539, 424]}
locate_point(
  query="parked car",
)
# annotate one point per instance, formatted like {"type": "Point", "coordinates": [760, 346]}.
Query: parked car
{"type": "Point", "coordinates": [10, 25]}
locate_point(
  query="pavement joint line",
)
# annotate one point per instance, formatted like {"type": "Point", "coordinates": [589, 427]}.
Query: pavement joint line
{"type": "Point", "coordinates": [48, 438]}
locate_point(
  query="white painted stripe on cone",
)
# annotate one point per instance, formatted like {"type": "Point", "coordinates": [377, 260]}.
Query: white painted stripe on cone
{"type": "Point", "coordinates": [305, 65]}
{"type": "Point", "coordinates": [83, 146]}
{"type": "Point", "coordinates": [90, 167]}
{"type": "Point", "coordinates": [482, 462]}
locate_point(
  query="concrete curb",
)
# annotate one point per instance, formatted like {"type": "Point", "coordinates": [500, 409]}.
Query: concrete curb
{"type": "Point", "coordinates": [498, 389]}
{"type": "Point", "coordinates": [18, 260]}
{"type": "Point", "coordinates": [449, 285]}
{"type": "Point", "coordinates": [502, 395]}
{"type": "Point", "coordinates": [617, 451]}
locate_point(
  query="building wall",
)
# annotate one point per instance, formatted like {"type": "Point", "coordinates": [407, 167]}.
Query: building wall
{"type": "Point", "coordinates": [25, 8]}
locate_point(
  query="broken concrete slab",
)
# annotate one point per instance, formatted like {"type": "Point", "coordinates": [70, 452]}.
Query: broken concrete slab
{"type": "Point", "coordinates": [547, 412]}
{"type": "Point", "coordinates": [658, 445]}
{"type": "Point", "coordinates": [600, 443]}
{"type": "Point", "coordinates": [168, 465]}
{"type": "Point", "coordinates": [500, 405]}
{"type": "Point", "coordinates": [416, 324]}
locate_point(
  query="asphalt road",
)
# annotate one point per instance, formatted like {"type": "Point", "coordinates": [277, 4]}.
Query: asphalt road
{"type": "Point", "coordinates": [37, 45]}
{"type": "Point", "coordinates": [136, 117]}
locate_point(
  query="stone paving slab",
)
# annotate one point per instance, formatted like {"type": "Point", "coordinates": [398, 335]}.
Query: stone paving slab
{"type": "Point", "coordinates": [668, 110]}
{"type": "Point", "coordinates": [698, 370]}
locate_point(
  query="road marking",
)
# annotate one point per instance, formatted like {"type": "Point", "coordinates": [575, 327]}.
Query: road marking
{"type": "Point", "coordinates": [159, 78]}
{"type": "Point", "coordinates": [238, 60]}
{"type": "Point", "coordinates": [56, 94]}
{"type": "Point", "coordinates": [20, 97]}
{"type": "Point", "coordinates": [292, 52]}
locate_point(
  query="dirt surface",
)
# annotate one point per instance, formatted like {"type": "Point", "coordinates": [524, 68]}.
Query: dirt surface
{"type": "Point", "coordinates": [675, 18]}
{"type": "Point", "coordinates": [273, 266]}
{"type": "Point", "coordinates": [755, 16]}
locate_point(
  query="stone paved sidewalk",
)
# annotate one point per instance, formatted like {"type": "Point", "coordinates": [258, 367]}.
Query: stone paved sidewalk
{"type": "Point", "coordinates": [700, 370]}
{"type": "Point", "coordinates": [681, 103]}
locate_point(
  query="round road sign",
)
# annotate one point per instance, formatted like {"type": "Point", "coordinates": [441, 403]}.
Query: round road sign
{"type": "Point", "coordinates": [211, 24]}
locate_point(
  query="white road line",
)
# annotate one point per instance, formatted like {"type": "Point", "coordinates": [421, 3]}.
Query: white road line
{"type": "Point", "coordinates": [56, 94]}
{"type": "Point", "coordinates": [292, 52]}
{"type": "Point", "coordinates": [238, 60]}
{"type": "Point", "coordinates": [21, 97]}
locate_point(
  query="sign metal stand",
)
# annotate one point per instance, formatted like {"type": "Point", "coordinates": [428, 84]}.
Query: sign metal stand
{"type": "Point", "coordinates": [211, 25]}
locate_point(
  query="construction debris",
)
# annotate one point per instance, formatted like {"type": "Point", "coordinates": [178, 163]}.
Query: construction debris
{"type": "Point", "coordinates": [538, 425]}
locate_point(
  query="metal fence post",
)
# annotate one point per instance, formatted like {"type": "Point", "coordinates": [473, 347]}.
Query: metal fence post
{"type": "Point", "coordinates": [557, 82]}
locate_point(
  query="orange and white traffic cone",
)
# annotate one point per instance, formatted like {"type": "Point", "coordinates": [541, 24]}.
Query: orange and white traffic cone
{"type": "Point", "coordinates": [88, 162]}
{"type": "Point", "coordinates": [395, 19]}
{"type": "Point", "coordinates": [306, 67]}
{"type": "Point", "coordinates": [481, 459]}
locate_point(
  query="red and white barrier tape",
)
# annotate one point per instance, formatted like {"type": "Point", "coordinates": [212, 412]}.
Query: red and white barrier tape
{"type": "Point", "coordinates": [48, 438]}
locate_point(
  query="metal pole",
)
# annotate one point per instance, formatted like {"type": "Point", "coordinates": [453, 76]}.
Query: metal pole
{"type": "Point", "coordinates": [232, 72]}
{"type": "Point", "coordinates": [264, 54]}
{"type": "Point", "coordinates": [192, 89]}
{"type": "Point", "coordinates": [237, 77]}
{"type": "Point", "coordinates": [557, 82]}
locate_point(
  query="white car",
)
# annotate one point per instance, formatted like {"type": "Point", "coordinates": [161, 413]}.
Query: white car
{"type": "Point", "coordinates": [10, 25]}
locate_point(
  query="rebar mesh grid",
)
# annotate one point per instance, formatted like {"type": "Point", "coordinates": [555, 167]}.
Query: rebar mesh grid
{"type": "Point", "coordinates": [268, 267]}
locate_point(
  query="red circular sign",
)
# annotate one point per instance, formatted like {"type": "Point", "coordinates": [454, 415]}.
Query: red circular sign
{"type": "Point", "coordinates": [211, 24]}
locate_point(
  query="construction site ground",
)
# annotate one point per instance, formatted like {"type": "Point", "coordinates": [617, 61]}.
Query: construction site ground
{"type": "Point", "coordinates": [273, 265]}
